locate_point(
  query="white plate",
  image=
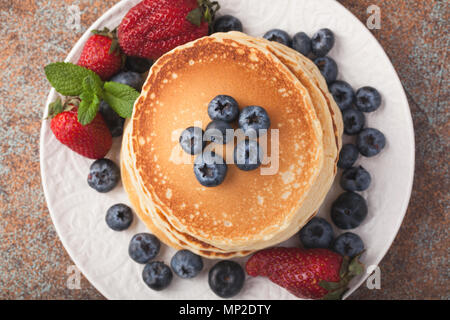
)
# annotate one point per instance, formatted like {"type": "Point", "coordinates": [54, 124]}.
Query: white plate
{"type": "Point", "coordinates": [78, 212]}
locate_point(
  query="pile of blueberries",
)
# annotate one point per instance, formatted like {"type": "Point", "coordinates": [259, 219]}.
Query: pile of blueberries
{"type": "Point", "coordinates": [210, 169]}
{"type": "Point", "coordinates": [350, 208]}
{"type": "Point", "coordinates": [225, 278]}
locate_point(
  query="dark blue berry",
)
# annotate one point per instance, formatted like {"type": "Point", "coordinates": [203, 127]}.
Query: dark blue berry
{"type": "Point", "coordinates": [252, 119]}
{"type": "Point", "coordinates": [227, 23]}
{"type": "Point", "coordinates": [348, 156]}
{"type": "Point", "coordinates": [302, 43]}
{"type": "Point", "coordinates": [279, 36]}
{"type": "Point", "coordinates": [349, 210]}
{"type": "Point", "coordinates": [223, 108]}
{"type": "Point", "coordinates": [186, 264]}
{"type": "Point", "coordinates": [322, 42]}
{"type": "Point", "coordinates": [248, 155]}
{"type": "Point", "coordinates": [343, 94]}
{"type": "Point", "coordinates": [144, 247]}
{"type": "Point", "coordinates": [317, 233]}
{"type": "Point", "coordinates": [226, 278]}
{"type": "Point", "coordinates": [370, 142]}
{"type": "Point", "coordinates": [355, 179]}
{"type": "Point", "coordinates": [130, 78]}
{"type": "Point", "coordinates": [210, 169]}
{"type": "Point", "coordinates": [113, 121]}
{"type": "Point", "coordinates": [348, 244]}
{"type": "Point", "coordinates": [216, 132]}
{"type": "Point", "coordinates": [103, 176]}
{"type": "Point", "coordinates": [157, 275]}
{"type": "Point", "coordinates": [354, 121]}
{"type": "Point", "coordinates": [119, 217]}
{"type": "Point", "coordinates": [191, 140]}
{"type": "Point", "coordinates": [368, 99]}
{"type": "Point", "coordinates": [139, 65]}
{"type": "Point", "coordinates": [328, 68]}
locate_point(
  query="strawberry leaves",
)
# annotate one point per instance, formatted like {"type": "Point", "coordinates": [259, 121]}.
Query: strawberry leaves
{"type": "Point", "coordinates": [205, 12]}
{"type": "Point", "coordinates": [72, 80]}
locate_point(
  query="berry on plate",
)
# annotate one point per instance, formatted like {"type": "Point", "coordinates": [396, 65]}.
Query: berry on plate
{"type": "Point", "coordinates": [348, 244]}
{"type": "Point", "coordinates": [248, 155]}
{"type": "Point", "coordinates": [119, 217]}
{"type": "Point", "coordinates": [343, 94]}
{"type": "Point", "coordinates": [227, 23]}
{"type": "Point", "coordinates": [348, 156]}
{"type": "Point", "coordinates": [328, 67]}
{"type": "Point", "coordinates": [101, 54]}
{"type": "Point", "coordinates": [154, 27]}
{"type": "Point", "coordinates": [114, 122]}
{"type": "Point", "coordinates": [368, 99]}
{"type": "Point", "coordinates": [137, 64]}
{"type": "Point", "coordinates": [370, 142]}
{"type": "Point", "coordinates": [157, 275]}
{"type": "Point", "coordinates": [355, 179]}
{"type": "Point", "coordinates": [322, 42]}
{"type": "Point", "coordinates": [104, 175]}
{"type": "Point", "coordinates": [354, 121]}
{"type": "Point", "coordinates": [216, 131]}
{"type": "Point", "coordinates": [186, 264]}
{"type": "Point", "coordinates": [223, 108]}
{"type": "Point", "coordinates": [210, 169]}
{"type": "Point", "coordinates": [349, 210]}
{"type": "Point", "coordinates": [317, 233]}
{"type": "Point", "coordinates": [226, 278]}
{"type": "Point", "coordinates": [306, 273]}
{"type": "Point", "coordinates": [302, 43]}
{"type": "Point", "coordinates": [279, 36]}
{"type": "Point", "coordinates": [130, 78]}
{"type": "Point", "coordinates": [191, 140]}
{"type": "Point", "coordinates": [143, 247]}
{"type": "Point", "coordinates": [254, 120]}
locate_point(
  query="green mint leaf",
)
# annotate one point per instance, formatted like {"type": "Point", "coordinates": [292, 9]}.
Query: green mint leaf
{"type": "Point", "coordinates": [90, 84]}
{"type": "Point", "coordinates": [120, 97]}
{"type": "Point", "coordinates": [88, 108]}
{"type": "Point", "coordinates": [55, 108]}
{"type": "Point", "coordinates": [67, 78]}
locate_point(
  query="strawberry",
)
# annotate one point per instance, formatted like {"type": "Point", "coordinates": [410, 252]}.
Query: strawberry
{"type": "Point", "coordinates": [92, 140]}
{"type": "Point", "coordinates": [154, 27]}
{"type": "Point", "coordinates": [101, 54]}
{"type": "Point", "coordinates": [313, 273]}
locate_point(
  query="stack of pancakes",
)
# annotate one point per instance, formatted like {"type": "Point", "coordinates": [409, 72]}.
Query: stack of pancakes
{"type": "Point", "coordinates": [249, 211]}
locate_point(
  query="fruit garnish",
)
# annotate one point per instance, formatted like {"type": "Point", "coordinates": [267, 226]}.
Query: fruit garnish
{"type": "Point", "coordinates": [72, 80]}
{"type": "Point", "coordinates": [154, 27]}
{"type": "Point", "coordinates": [313, 273]}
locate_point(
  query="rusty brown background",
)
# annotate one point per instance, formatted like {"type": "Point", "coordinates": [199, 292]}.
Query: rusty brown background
{"type": "Point", "coordinates": [33, 262]}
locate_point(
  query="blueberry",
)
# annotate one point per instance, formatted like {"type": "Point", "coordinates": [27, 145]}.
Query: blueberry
{"type": "Point", "coordinates": [354, 121]}
{"type": "Point", "coordinates": [322, 42]}
{"type": "Point", "coordinates": [223, 108]}
{"type": "Point", "coordinates": [137, 64]}
{"type": "Point", "coordinates": [279, 36]}
{"type": "Point", "coordinates": [144, 247]}
{"type": "Point", "coordinates": [317, 233]}
{"type": "Point", "coordinates": [216, 132]}
{"type": "Point", "coordinates": [328, 68]}
{"type": "Point", "coordinates": [130, 78]}
{"type": "Point", "coordinates": [227, 23]}
{"type": "Point", "coordinates": [343, 94]}
{"type": "Point", "coordinates": [368, 99]}
{"type": "Point", "coordinates": [248, 155]}
{"type": "Point", "coordinates": [302, 43]}
{"type": "Point", "coordinates": [370, 142]}
{"type": "Point", "coordinates": [252, 119]}
{"type": "Point", "coordinates": [349, 210]}
{"type": "Point", "coordinates": [186, 264]}
{"type": "Point", "coordinates": [104, 175]}
{"type": "Point", "coordinates": [348, 156]}
{"type": "Point", "coordinates": [119, 217]}
{"type": "Point", "coordinates": [355, 179]}
{"type": "Point", "coordinates": [157, 275]}
{"type": "Point", "coordinates": [348, 244]}
{"type": "Point", "coordinates": [191, 140]}
{"type": "Point", "coordinates": [226, 278]}
{"type": "Point", "coordinates": [210, 169]}
{"type": "Point", "coordinates": [113, 121]}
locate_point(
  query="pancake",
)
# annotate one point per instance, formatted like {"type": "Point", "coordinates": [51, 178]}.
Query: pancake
{"type": "Point", "coordinates": [186, 80]}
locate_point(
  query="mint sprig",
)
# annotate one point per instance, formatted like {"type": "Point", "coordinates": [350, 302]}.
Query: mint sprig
{"type": "Point", "coordinates": [72, 80]}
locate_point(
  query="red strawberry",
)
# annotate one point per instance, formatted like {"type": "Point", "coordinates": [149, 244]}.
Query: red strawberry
{"type": "Point", "coordinates": [154, 27]}
{"type": "Point", "coordinates": [101, 54]}
{"type": "Point", "coordinates": [313, 273]}
{"type": "Point", "coordinates": [92, 140]}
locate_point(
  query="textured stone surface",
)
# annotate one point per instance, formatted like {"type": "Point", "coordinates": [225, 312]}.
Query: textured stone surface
{"type": "Point", "coordinates": [33, 262]}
